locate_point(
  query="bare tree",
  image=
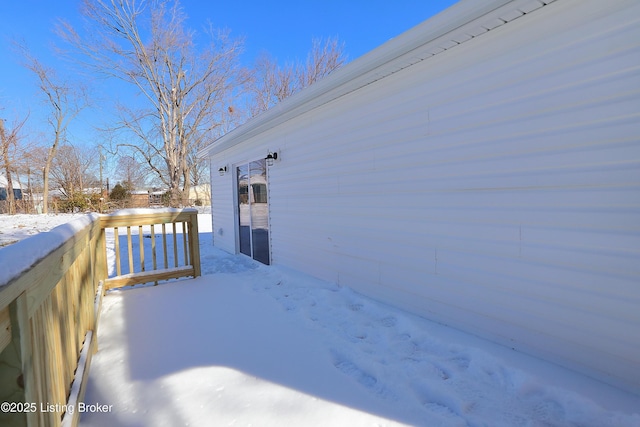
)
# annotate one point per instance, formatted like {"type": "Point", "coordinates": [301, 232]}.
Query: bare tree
{"type": "Point", "coordinates": [66, 101]}
{"type": "Point", "coordinates": [131, 172]}
{"type": "Point", "coordinates": [325, 56]}
{"type": "Point", "coordinates": [9, 154]}
{"type": "Point", "coordinates": [33, 166]}
{"type": "Point", "coordinates": [273, 83]}
{"type": "Point", "coordinates": [70, 170]}
{"type": "Point", "coordinates": [146, 44]}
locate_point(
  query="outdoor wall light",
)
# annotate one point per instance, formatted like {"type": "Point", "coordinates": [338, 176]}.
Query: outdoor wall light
{"type": "Point", "coordinates": [222, 170]}
{"type": "Point", "coordinates": [271, 157]}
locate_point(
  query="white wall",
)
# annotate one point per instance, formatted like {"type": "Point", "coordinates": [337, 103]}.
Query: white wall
{"type": "Point", "coordinates": [494, 187]}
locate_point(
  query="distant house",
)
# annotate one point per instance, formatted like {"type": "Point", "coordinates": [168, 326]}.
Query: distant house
{"type": "Point", "coordinates": [200, 194]}
{"type": "Point", "coordinates": [481, 170]}
{"type": "Point", "coordinates": [138, 199]}
{"type": "Point", "coordinates": [17, 189]}
{"type": "Point", "coordinates": [145, 199]}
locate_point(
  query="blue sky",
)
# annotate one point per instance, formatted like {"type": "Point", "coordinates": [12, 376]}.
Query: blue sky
{"type": "Point", "coordinates": [284, 29]}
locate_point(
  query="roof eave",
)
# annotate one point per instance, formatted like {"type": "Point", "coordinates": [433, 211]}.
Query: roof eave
{"type": "Point", "coordinates": [457, 24]}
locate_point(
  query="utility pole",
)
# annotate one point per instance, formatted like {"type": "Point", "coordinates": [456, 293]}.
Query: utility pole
{"type": "Point", "coordinates": [101, 158]}
{"type": "Point", "coordinates": [31, 204]}
{"type": "Point", "coordinates": [101, 189]}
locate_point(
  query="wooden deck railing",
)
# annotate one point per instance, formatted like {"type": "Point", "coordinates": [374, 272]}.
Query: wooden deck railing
{"type": "Point", "coordinates": [171, 250]}
{"type": "Point", "coordinates": [49, 312]}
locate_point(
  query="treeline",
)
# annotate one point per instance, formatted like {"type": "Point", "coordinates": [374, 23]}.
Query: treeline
{"type": "Point", "coordinates": [188, 93]}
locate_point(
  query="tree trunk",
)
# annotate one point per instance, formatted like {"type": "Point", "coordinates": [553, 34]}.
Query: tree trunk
{"type": "Point", "coordinates": [45, 187]}
{"type": "Point", "coordinates": [47, 168]}
{"type": "Point", "coordinates": [7, 167]}
{"type": "Point", "coordinates": [7, 171]}
{"type": "Point", "coordinates": [10, 198]}
{"type": "Point", "coordinates": [186, 191]}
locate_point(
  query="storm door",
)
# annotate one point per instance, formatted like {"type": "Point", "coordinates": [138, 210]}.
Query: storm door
{"type": "Point", "coordinates": [253, 210]}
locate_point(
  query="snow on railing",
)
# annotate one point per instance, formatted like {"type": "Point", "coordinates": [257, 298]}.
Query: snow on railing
{"type": "Point", "coordinates": [51, 288]}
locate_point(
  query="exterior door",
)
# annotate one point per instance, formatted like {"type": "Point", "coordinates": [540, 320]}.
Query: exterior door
{"type": "Point", "coordinates": [253, 207]}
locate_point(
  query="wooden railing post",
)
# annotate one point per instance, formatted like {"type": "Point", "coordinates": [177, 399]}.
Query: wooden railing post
{"type": "Point", "coordinates": [100, 247]}
{"type": "Point", "coordinates": [16, 364]}
{"type": "Point", "coordinates": [29, 371]}
{"type": "Point", "coordinates": [194, 244]}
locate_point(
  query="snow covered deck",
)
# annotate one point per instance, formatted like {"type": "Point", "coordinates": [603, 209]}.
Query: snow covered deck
{"type": "Point", "coordinates": [247, 344]}
{"type": "Point", "coordinates": [251, 344]}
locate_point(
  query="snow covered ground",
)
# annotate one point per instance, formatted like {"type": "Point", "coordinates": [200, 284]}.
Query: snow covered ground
{"type": "Point", "coordinates": [247, 344]}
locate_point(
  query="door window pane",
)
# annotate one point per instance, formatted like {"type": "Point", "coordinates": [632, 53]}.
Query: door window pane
{"type": "Point", "coordinates": [243, 208]}
{"type": "Point", "coordinates": [253, 209]}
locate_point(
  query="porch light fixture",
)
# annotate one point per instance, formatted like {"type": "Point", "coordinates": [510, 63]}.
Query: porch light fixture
{"type": "Point", "coordinates": [222, 170]}
{"type": "Point", "coordinates": [271, 157]}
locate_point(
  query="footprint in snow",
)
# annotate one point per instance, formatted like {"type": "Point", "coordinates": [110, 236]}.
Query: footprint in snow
{"type": "Point", "coordinates": [462, 362]}
{"type": "Point", "coordinates": [389, 321]}
{"type": "Point", "coordinates": [547, 411]}
{"type": "Point", "coordinates": [362, 377]}
{"type": "Point", "coordinates": [352, 370]}
{"type": "Point", "coordinates": [356, 307]}
{"type": "Point", "coordinates": [440, 401]}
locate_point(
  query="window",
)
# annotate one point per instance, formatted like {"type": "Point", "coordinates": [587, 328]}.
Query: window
{"type": "Point", "coordinates": [253, 210]}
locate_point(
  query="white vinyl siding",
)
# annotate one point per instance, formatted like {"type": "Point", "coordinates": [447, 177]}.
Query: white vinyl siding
{"type": "Point", "coordinates": [222, 203]}
{"type": "Point", "coordinates": [494, 187]}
